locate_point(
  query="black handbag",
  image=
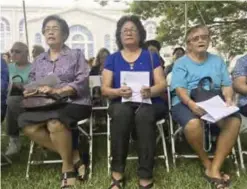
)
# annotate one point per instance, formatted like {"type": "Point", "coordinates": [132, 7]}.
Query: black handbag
{"type": "Point", "coordinates": [16, 88]}
{"type": "Point", "coordinates": [37, 101]}
{"type": "Point", "coordinates": [200, 94]}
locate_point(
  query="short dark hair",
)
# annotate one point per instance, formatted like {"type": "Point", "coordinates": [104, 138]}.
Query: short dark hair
{"type": "Point", "coordinates": [177, 49]}
{"type": "Point", "coordinates": [139, 26]}
{"type": "Point", "coordinates": [63, 25]}
{"type": "Point", "coordinates": [195, 28]}
{"type": "Point", "coordinates": [154, 43]}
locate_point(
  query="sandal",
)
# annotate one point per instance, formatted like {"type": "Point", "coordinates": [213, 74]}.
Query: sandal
{"type": "Point", "coordinates": [227, 180]}
{"type": "Point", "coordinates": [218, 183]}
{"type": "Point", "coordinates": [119, 183]}
{"type": "Point", "coordinates": [147, 186]}
{"type": "Point", "coordinates": [82, 170]}
{"type": "Point", "coordinates": [65, 176]}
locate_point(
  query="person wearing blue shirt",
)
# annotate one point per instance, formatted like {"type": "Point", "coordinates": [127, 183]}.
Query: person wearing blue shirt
{"type": "Point", "coordinates": [4, 87]}
{"type": "Point", "coordinates": [186, 73]}
{"type": "Point", "coordinates": [131, 57]}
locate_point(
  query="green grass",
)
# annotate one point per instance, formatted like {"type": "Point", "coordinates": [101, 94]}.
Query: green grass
{"type": "Point", "coordinates": [187, 174]}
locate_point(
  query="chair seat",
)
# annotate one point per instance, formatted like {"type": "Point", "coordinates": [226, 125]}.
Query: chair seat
{"type": "Point", "coordinates": [162, 121]}
{"type": "Point", "coordinates": [83, 121]}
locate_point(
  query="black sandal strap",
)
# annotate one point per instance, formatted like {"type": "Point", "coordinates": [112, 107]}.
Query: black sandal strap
{"type": "Point", "coordinates": [78, 164]}
{"type": "Point", "coordinates": [218, 183]}
{"type": "Point", "coordinates": [147, 186]}
{"type": "Point", "coordinates": [118, 183]}
{"type": "Point", "coordinates": [68, 175]}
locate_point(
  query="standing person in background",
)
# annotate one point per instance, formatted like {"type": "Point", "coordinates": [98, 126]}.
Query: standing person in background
{"type": "Point", "coordinates": [99, 62]}
{"type": "Point", "coordinates": [6, 57]}
{"type": "Point", "coordinates": [177, 53]}
{"type": "Point", "coordinates": [4, 87]}
{"type": "Point", "coordinates": [154, 47]}
{"type": "Point", "coordinates": [37, 50]}
{"type": "Point", "coordinates": [21, 67]}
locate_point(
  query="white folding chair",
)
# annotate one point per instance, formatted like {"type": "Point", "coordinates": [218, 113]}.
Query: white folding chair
{"type": "Point", "coordinates": [38, 162]}
{"type": "Point", "coordinates": [161, 136]}
{"type": "Point", "coordinates": [240, 150]}
{"type": "Point", "coordinates": [95, 81]}
{"type": "Point", "coordinates": [178, 132]}
{"type": "Point", "coordinates": [6, 159]}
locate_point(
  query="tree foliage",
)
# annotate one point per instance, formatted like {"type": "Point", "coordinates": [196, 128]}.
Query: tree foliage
{"type": "Point", "coordinates": [227, 21]}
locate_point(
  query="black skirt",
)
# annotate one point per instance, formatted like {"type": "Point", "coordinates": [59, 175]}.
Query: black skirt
{"type": "Point", "coordinates": [68, 114]}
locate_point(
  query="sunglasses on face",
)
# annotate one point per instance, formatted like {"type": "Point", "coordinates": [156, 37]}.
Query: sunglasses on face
{"type": "Point", "coordinates": [16, 51]}
{"type": "Point", "coordinates": [197, 38]}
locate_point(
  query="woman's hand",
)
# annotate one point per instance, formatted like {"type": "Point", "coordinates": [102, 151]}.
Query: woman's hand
{"type": "Point", "coordinates": [125, 92]}
{"type": "Point", "coordinates": [146, 92]}
{"type": "Point", "coordinates": [46, 90]}
{"type": "Point", "coordinates": [195, 108]}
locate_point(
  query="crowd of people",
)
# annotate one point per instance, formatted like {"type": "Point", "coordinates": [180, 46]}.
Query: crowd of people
{"type": "Point", "coordinates": [55, 128]}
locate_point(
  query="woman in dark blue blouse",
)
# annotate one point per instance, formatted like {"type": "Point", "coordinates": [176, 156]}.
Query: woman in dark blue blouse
{"type": "Point", "coordinates": [4, 87]}
{"type": "Point", "coordinates": [131, 58]}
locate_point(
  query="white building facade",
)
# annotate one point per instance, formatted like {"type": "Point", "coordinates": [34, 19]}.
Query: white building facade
{"type": "Point", "coordinates": [91, 27]}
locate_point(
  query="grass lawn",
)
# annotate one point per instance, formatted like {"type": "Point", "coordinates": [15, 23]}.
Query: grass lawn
{"type": "Point", "coordinates": [187, 174]}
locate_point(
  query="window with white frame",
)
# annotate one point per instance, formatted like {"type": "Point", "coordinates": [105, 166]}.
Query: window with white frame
{"type": "Point", "coordinates": [38, 39]}
{"type": "Point", "coordinates": [21, 31]}
{"type": "Point", "coordinates": [5, 34]}
{"type": "Point", "coordinates": [81, 38]}
{"type": "Point", "coordinates": [150, 27]}
{"type": "Point", "coordinates": [107, 42]}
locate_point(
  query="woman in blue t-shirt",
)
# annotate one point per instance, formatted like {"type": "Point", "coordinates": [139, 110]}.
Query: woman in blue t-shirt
{"type": "Point", "coordinates": [139, 113]}
{"type": "Point", "coordinates": [186, 74]}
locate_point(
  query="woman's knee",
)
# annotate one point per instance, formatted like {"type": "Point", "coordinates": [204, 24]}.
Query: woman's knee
{"type": "Point", "coordinates": [30, 130]}
{"type": "Point", "coordinates": [193, 125]}
{"type": "Point", "coordinates": [145, 115]}
{"type": "Point", "coordinates": [55, 125]}
{"type": "Point", "coordinates": [120, 111]}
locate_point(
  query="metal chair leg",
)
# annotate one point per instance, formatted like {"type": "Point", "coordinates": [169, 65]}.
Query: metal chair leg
{"type": "Point", "coordinates": [240, 151]}
{"type": "Point", "coordinates": [161, 130]}
{"type": "Point", "coordinates": [91, 147]}
{"type": "Point", "coordinates": [108, 145]}
{"type": "Point", "coordinates": [29, 158]}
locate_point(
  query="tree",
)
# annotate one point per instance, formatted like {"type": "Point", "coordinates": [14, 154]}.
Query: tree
{"type": "Point", "coordinates": [226, 20]}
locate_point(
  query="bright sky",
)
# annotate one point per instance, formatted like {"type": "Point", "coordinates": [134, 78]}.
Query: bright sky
{"type": "Point", "coordinates": [51, 2]}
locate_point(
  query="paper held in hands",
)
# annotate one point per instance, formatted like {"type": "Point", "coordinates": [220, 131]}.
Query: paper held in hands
{"type": "Point", "coordinates": [216, 109]}
{"type": "Point", "coordinates": [135, 80]}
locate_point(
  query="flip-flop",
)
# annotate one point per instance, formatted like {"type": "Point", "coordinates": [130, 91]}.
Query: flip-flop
{"type": "Point", "coordinates": [218, 183]}
{"type": "Point", "coordinates": [228, 180]}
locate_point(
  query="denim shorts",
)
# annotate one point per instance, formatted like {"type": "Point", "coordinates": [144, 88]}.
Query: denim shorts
{"type": "Point", "coordinates": [182, 115]}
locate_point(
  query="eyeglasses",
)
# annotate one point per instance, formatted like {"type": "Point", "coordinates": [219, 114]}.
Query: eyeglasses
{"type": "Point", "coordinates": [53, 30]}
{"type": "Point", "coordinates": [197, 38]}
{"type": "Point", "coordinates": [126, 31]}
{"type": "Point", "coordinates": [16, 51]}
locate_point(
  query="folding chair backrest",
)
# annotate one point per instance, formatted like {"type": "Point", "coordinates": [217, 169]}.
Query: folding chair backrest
{"type": "Point", "coordinates": [94, 81]}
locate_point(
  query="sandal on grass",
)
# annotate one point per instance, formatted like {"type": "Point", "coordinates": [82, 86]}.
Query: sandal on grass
{"type": "Point", "coordinates": [82, 170]}
{"type": "Point", "coordinates": [66, 183]}
{"type": "Point", "coordinates": [218, 183]}
{"type": "Point", "coordinates": [147, 186]}
{"type": "Point", "coordinates": [226, 178]}
{"type": "Point", "coordinates": [118, 183]}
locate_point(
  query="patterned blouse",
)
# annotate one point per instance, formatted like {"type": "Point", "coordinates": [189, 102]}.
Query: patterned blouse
{"type": "Point", "coordinates": [241, 70]}
{"type": "Point", "coordinates": [70, 67]}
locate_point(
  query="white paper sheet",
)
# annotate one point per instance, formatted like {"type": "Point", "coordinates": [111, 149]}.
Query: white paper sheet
{"type": "Point", "coordinates": [135, 80]}
{"type": "Point", "coordinates": [216, 109]}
